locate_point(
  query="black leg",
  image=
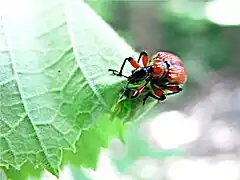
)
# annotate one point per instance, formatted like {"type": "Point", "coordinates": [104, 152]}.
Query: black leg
{"type": "Point", "coordinates": [171, 93]}
{"type": "Point", "coordinates": [151, 95]}
{"type": "Point", "coordinates": [145, 98]}
{"type": "Point", "coordinates": [119, 73]}
{"type": "Point", "coordinates": [142, 53]}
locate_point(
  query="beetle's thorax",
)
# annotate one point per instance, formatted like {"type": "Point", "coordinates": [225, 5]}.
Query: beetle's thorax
{"type": "Point", "coordinates": [140, 74]}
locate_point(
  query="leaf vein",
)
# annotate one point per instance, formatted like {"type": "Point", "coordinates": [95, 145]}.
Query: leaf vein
{"type": "Point", "coordinates": [91, 84]}
{"type": "Point", "coordinates": [15, 74]}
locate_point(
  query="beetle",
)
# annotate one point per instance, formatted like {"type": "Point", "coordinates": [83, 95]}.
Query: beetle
{"type": "Point", "coordinates": [164, 72]}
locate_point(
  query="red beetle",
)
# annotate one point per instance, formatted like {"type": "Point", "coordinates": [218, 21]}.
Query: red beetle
{"type": "Point", "coordinates": [165, 71]}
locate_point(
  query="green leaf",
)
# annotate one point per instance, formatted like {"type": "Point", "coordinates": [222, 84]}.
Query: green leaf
{"type": "Point", "coordinates": [54, 85]}
{"type": "Point", "coordinates": [27, 172]}
{"type": "Point", "coordinates": [93, 140]}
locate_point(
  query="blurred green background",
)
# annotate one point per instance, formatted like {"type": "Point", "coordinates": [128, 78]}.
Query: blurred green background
{"type": "Point", "coordinates": [193, 135]}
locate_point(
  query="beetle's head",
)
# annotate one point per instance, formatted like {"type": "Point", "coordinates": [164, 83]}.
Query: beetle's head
{"type": "Point", "coordinates": [138, 74]}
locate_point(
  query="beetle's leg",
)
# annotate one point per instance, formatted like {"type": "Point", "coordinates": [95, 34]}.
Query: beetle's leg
{"type": "Point", "coordinates": [155, 97]}
{"type": "Point", "coordinates": [159, 93]}
{"type": "Point", "coordinates": [139, 90]}
{"type": "Point", "coordinates": [134, 64]}
{"type": "Point", "coordinates": [174, 89]}
{"type": "Point", "coordinates": [144, 56]}
{"type": "Point", "coordinates": [115, 72]}
{"type": "Point", "coordinates": [136, 92]}
{"type": "Point", "coordinates": [146, 97]}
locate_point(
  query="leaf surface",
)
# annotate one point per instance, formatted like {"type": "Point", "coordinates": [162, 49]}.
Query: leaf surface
{"type": "Point", "coordinates": [54, 83]}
